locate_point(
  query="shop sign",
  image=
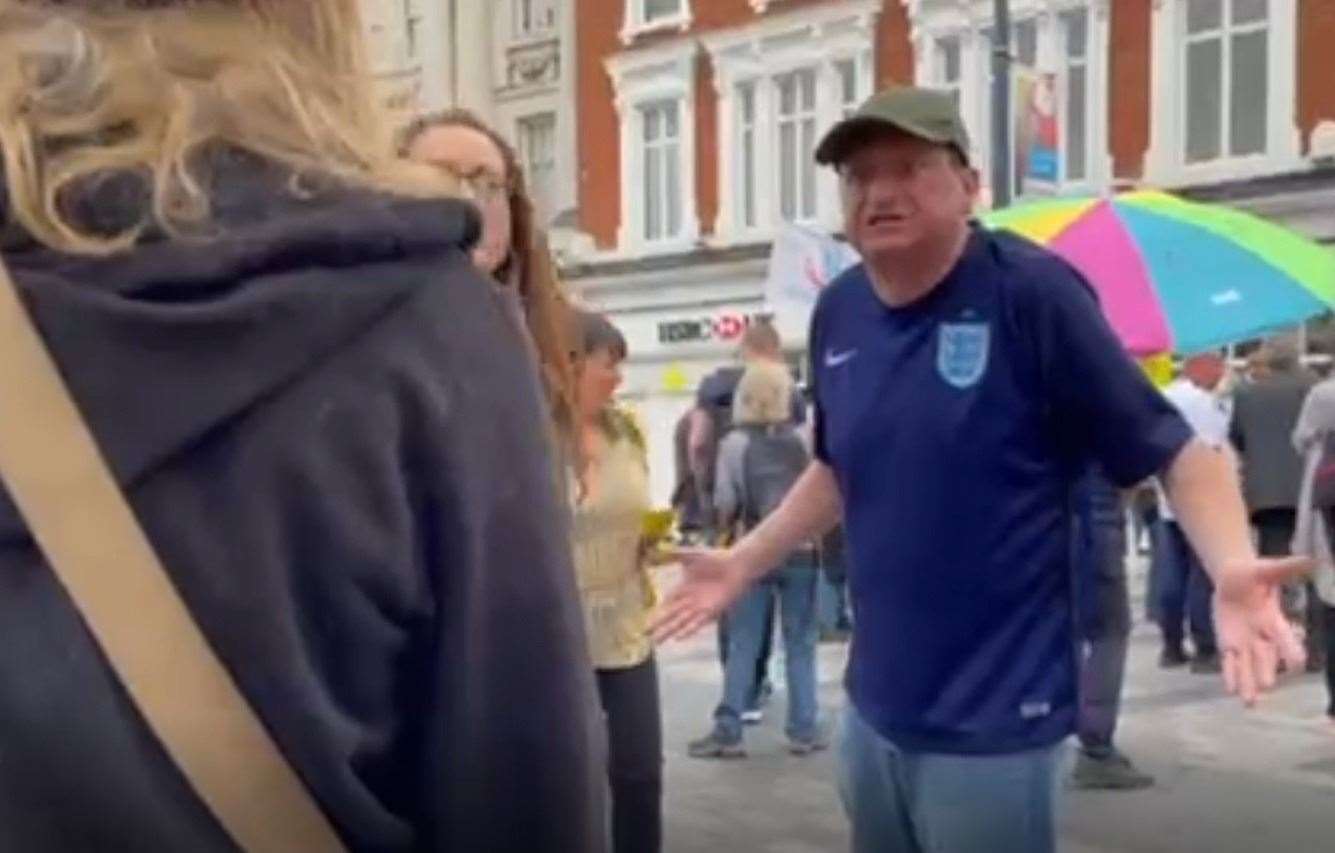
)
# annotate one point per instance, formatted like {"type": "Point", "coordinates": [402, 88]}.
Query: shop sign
{"type": "Point", "coordinates": [723, 328]}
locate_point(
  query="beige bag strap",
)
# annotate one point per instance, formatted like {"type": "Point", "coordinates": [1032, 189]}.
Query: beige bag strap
{"type": "Point", "coordinates": [57, 477]}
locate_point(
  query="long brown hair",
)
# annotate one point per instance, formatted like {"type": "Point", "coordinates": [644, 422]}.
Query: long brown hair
{"type": "Point", "coordinates": [92, 88]}
{"type": "Point", "coordinates": [529, 268]}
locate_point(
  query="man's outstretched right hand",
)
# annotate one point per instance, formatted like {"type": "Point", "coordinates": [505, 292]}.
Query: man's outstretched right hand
{"type": "Point", "coordinates": [711, 581]}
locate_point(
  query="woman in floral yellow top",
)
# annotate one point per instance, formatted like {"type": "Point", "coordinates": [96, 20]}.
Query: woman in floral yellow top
{"type": "Point", "coordinates": [611, 499]}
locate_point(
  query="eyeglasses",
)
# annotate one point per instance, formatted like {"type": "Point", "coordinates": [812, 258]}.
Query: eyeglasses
{"type": "Point", "coordinates": [860, 176]}
{"type": "Point", "coordinates": [480, 184]}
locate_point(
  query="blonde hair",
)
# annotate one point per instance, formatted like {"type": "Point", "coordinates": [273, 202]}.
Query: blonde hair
{"type": "Point", "coordinates": [762, 340]}
{"type": "Point", "coordinates": [764, 395]}
{"type": "Point", "coordinates": [95, 88]}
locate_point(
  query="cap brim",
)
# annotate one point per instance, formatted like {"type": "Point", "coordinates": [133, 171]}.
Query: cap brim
{"type": "Point", "coordinates": [841, 139]}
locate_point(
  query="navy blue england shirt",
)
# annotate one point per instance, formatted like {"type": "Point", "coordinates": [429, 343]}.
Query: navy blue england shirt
{"type": "Point", "coordinates": [955, 426]}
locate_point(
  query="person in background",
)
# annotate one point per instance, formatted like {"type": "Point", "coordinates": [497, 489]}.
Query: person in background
{"type": "Point", "coordinates": [1183, 587]}
{"type": "Point", "coordinates": [1144, 509]}
{"type": "Point", "coordinates": [686, 497]}
{"type": "Point", "coordinates": [835, 618]}
{"type": "Point", "coordinates": [759, 460]}
{"type": "Point", "coordinates": [1265, 414]}
{"type": "Point", "coordinates": [325, 423]}
{"type": "Point", "coordinates": [612, 497]}
{"type": "Point", "coordinates": [1104, 628]}
{"type": "Point", "coordinates": [1256, 368]}
{"type": "Point", "coordinates": [1314, 530]}
{"type": "Point", "coordinates": [511, 250]}
{"type": "Point", "coordinates": [711, 420]}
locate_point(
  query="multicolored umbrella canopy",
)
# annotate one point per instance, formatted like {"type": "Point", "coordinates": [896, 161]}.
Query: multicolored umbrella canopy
{"type": "Point", "coordinates": [1178, 276]}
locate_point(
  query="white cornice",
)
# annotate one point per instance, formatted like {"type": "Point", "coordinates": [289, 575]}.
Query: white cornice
{"type": "Point", "coordinates": [815, 20]}
{"type": "Point", "coordinates": [620, 64]}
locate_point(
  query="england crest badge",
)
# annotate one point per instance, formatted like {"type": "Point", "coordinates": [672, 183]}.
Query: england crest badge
{"type": "Point", "coordinates": [962, 352]}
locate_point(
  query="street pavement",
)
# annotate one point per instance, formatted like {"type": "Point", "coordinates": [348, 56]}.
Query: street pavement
{"type": "Point", "coordinates": [1229, 780]}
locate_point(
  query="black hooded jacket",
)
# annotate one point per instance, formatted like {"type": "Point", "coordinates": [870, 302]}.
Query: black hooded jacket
{"type": "Point", "coordinates": [331, 432]}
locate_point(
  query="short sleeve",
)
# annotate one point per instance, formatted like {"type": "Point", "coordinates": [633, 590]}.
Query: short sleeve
{"type": "Point", "coordinates": [1105, 406]}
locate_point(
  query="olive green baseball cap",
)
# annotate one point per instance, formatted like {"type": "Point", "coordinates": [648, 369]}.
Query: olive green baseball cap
{"type": "Point", "coordinates": [928, 114]}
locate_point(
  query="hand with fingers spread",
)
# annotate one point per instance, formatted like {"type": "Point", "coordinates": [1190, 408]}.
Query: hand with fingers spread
{"type": "Point", "coordinates": [712, 579]}
{"type": "Point", "coordinates": [1253, 635]}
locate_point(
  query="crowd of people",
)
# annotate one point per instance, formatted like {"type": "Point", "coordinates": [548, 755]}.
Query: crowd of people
{"type": "Point", "coordinates": [376, 450]}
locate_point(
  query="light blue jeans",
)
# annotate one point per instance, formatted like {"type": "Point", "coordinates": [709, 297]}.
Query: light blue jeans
{"type": "Point", "coordinates": [906, 802]}
{"type": "Point", "coordinates": [795, 586]}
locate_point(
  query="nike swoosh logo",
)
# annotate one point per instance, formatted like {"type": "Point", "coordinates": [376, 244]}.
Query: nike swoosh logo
{"type": "Point", "coordinates": [833, 359]}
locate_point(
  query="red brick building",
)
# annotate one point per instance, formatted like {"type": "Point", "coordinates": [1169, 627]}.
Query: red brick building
{"type": "Point", "coordinates": [697, 118]}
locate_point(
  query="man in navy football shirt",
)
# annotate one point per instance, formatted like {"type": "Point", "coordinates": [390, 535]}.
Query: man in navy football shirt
{"type": "Point", "coordinates": [962, 380]}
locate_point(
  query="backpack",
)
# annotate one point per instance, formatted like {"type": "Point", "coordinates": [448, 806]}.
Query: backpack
{"type": "Point", "coordinates": [719, 411]}
{"type": "Point", "coordinates": [774, 458]}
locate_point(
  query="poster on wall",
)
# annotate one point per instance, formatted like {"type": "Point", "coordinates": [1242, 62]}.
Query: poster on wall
{"type": "Point", "coordinates": [1036, 129]}
{"type": "Point", "coordinates": [802, 262]}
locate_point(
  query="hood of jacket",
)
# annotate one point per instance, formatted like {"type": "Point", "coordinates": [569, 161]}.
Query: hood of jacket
{"type": "Point", "coordinates": [164, 343]}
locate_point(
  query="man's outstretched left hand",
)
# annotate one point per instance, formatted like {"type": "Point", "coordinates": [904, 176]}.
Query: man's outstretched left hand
{"type": "Point", "coordinates": [1253, 635]}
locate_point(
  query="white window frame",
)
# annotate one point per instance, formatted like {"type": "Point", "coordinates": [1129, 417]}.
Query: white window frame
{"type": "Point", "coordinates": [967, 21]}
{"type": "Point", "coordinates": [747, 135]}
{"type": "Point", "coordinates": [1067, 62]}
{"type": "Point", "coordinates": [525, 136]}
{"type": "Point", "coordinates": [414, 17]}
{"type": "Point", "coordinates": [668, 204]}
{"type": "Point", "coordinates": [1166, 162]}
{"type": "Point", "coordinates": [520, 33]}
{"type": "Point", "coordinates": [665, 73]}
{"type": "Point", "coordinates": [938, 77]}
{"type": "Point", "coordinates": [635, 25]}
{"type": "Point", "coordinates": [803, 118]}
{"type": "Point", "coordinates": [815, 37]}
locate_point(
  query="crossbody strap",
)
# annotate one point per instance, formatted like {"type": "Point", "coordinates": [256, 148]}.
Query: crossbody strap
{"type": "Point", "coordinates": [58, 479]}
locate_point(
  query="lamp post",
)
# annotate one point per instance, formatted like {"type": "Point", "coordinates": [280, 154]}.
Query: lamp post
{"type": "Point", "coordinates": [1002, 161]}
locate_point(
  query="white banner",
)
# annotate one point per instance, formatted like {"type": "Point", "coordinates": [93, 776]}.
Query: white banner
{"type": "Point", "coordinates": [802, 262]}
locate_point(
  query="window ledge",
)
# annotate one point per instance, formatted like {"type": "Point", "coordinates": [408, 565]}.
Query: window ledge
{"type": "Point", "coordinates": [640, 249]}
{"type": "Point", "coordinates": [1226, 169]}
{"type": "Point", "coordinates": [680, 23]}
{"type": "Point", "coordinates": [536, 39]}
{"type": "Point", "coordinates": [741, 237]}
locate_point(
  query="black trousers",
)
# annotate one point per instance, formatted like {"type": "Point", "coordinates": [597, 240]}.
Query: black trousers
{"type": "Point", "coordinates": [635, 756]}
{"type": "Point", "coordinates": [1328, 618]}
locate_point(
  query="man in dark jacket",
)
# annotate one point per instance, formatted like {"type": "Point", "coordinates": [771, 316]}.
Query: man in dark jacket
{"type": "Point", "coordinates": [1104, 625]}
{"type": "Point", "coordinates": [332, 436]}
{"type": "Point", "coordinates": [1265, 413]}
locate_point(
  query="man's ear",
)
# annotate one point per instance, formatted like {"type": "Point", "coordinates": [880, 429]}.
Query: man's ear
{"type": "Point", "coordinates": [972, 183]}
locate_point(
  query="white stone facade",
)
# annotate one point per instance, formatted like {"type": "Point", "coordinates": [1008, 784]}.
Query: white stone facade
{"type": "Point", "coordinates": [509, 61]}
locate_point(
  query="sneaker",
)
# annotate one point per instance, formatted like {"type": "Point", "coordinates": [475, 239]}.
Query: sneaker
{"type": "Point", "coordinates": [806, 747]}
{"type": "Point", "coordinates": [1207, 664]}
{"type": "Point", "coordinates": [1114, 772]}
{"type": "Point", "coordinates": [753, 717]}
{"type": "Point", "coordinates": [1173, 657]}
{"type": "Point", "coordinates": [714, 746]}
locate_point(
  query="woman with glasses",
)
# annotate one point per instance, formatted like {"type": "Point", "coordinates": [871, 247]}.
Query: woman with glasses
{"type": "Point", "coordinates": [511, 250]}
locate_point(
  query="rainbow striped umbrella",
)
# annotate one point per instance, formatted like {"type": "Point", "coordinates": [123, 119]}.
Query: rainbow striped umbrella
{"type": "Point", "coordinates": [1177, 276]}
